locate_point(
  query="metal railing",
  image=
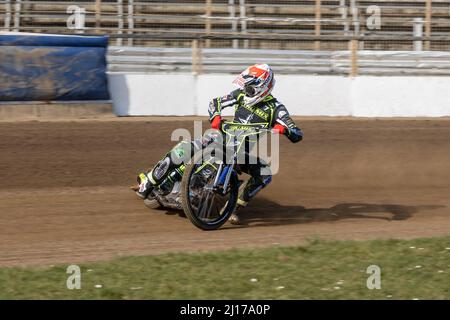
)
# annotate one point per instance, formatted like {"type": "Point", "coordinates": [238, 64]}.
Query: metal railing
{"type": "Point", "coordinates": [352, 61]}
{"type": "Point", "coordinates": [245, 17]}
{"type": "Point", "coordinates": [348, 37]}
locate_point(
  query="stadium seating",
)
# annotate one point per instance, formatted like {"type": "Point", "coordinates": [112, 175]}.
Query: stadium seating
{"type": "Point", "coordinates": [289, 17]}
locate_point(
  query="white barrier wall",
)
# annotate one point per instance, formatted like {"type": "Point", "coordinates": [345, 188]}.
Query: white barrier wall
{"type": "Point", "coordinates": [185, 94]}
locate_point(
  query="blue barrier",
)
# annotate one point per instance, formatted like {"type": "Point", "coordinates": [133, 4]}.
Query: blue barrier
{"type": "Point", "coordinates": [53, 68]}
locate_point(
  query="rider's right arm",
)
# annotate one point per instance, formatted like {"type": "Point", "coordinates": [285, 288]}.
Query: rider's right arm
{"type": "Point", "coordinates": [218, 104]}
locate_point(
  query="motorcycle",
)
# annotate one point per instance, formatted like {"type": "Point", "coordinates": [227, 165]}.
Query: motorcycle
{"type": "Point", "coordinates": [207, 191]}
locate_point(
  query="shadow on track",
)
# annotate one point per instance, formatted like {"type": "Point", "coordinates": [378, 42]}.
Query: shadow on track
{"type": "Point", "coordinates": [264, 212]}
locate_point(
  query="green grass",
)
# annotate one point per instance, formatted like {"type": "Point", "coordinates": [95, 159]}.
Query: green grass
{"type": "Point", "coordinates": [317, 270]}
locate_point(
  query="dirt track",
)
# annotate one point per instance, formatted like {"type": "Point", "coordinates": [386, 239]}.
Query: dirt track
{"type": "Point", "coordinates": [64, 193]}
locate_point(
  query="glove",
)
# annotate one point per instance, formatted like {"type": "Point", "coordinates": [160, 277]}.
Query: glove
{"type": "Point", "coordinates": [278, 128]}
{"type": "Point", "coordinates": [215, 123]}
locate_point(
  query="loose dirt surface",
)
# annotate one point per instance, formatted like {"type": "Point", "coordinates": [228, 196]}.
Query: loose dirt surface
{"type": "Point", "coordinates": [64, 195]}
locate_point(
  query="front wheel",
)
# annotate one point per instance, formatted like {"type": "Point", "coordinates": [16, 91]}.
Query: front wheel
{"type": "Point", "coordinates": [206, 208]}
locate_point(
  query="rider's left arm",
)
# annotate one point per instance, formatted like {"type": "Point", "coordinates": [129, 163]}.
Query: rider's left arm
{"type": "Point", "coordinates": [285, 125]}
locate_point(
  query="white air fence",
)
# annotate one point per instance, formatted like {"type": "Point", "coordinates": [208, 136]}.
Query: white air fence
{"type": "Point", "coordinates": [149, 81]}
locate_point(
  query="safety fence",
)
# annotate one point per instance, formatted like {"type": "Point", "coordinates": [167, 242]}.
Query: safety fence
{"type": "Point", "coordinates": [53, 68]}
{"type": "Point", "coordinates": [354, 60]}
{"type": "Point", "coordinates": [304, 95]}
{"type": "Point", "coordinates": [345, 37]}
{"type": "Point", "coordinates": [383, 18]}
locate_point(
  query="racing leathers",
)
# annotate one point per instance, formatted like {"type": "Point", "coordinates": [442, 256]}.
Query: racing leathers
{"type": "Point", "coordinates": [269, 111]}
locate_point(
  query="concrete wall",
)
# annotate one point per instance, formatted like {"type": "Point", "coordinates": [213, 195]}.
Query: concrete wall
{"type": "Point", "coordinates": [365, 96]}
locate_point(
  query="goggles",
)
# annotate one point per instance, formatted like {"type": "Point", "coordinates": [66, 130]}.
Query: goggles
{"type": "Point", "coordinates": [250, 85]}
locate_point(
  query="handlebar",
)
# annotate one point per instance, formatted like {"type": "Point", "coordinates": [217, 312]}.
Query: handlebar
{"type": "Point", "coordinates": [247, 129]}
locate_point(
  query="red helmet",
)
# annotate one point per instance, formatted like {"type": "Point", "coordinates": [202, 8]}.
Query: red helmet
{"type": "Point", "coordinates": [256, 82]}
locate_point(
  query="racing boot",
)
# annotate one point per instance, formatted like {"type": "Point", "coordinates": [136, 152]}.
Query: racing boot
{"type": "Point", "coordinates": [241, 203]}
{"type": "Point", "coordinates": [145, 186]}
{"type": "Point", "coordinates": [234, 218]}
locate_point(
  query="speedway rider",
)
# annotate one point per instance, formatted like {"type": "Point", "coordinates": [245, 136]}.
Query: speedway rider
{"type": "Point", "coordinates": [253, 103]}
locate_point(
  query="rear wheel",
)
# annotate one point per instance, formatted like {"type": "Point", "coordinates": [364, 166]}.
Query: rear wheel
{"type": "Point", "coordinates": [207, 209]}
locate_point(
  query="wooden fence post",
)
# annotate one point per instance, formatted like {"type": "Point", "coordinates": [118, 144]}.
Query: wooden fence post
{"type": "Point", "coordinates": [208, 21]}
{"type": "Point", "coordinates": [130, 20]}
{"type": "Point", "coordinates": [353, 58]}
{"type": "Point", "coordinates": [243, 17]}
{"type": "Point", "coordinates": [317, 26]}
{"type": "Point", "coordinates": [119, 21]}
{"type": "Point", "coordinates": [98, 9]}
{"type": "Point", "coordinates": [234, 24]}
{"type": "Point", "coordinates": [196, 57]}
{"type": "Point", "coordinates": [428, 23]}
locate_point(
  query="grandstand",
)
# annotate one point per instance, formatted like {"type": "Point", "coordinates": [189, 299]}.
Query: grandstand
{"type": "Point", "coordinates": [186, 29]}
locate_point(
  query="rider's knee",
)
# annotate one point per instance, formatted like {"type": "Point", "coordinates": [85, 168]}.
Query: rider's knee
{"type": "Point", "coordinates": [181, 153]}
{"type": "Point", "coordinates": [212, 136]}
